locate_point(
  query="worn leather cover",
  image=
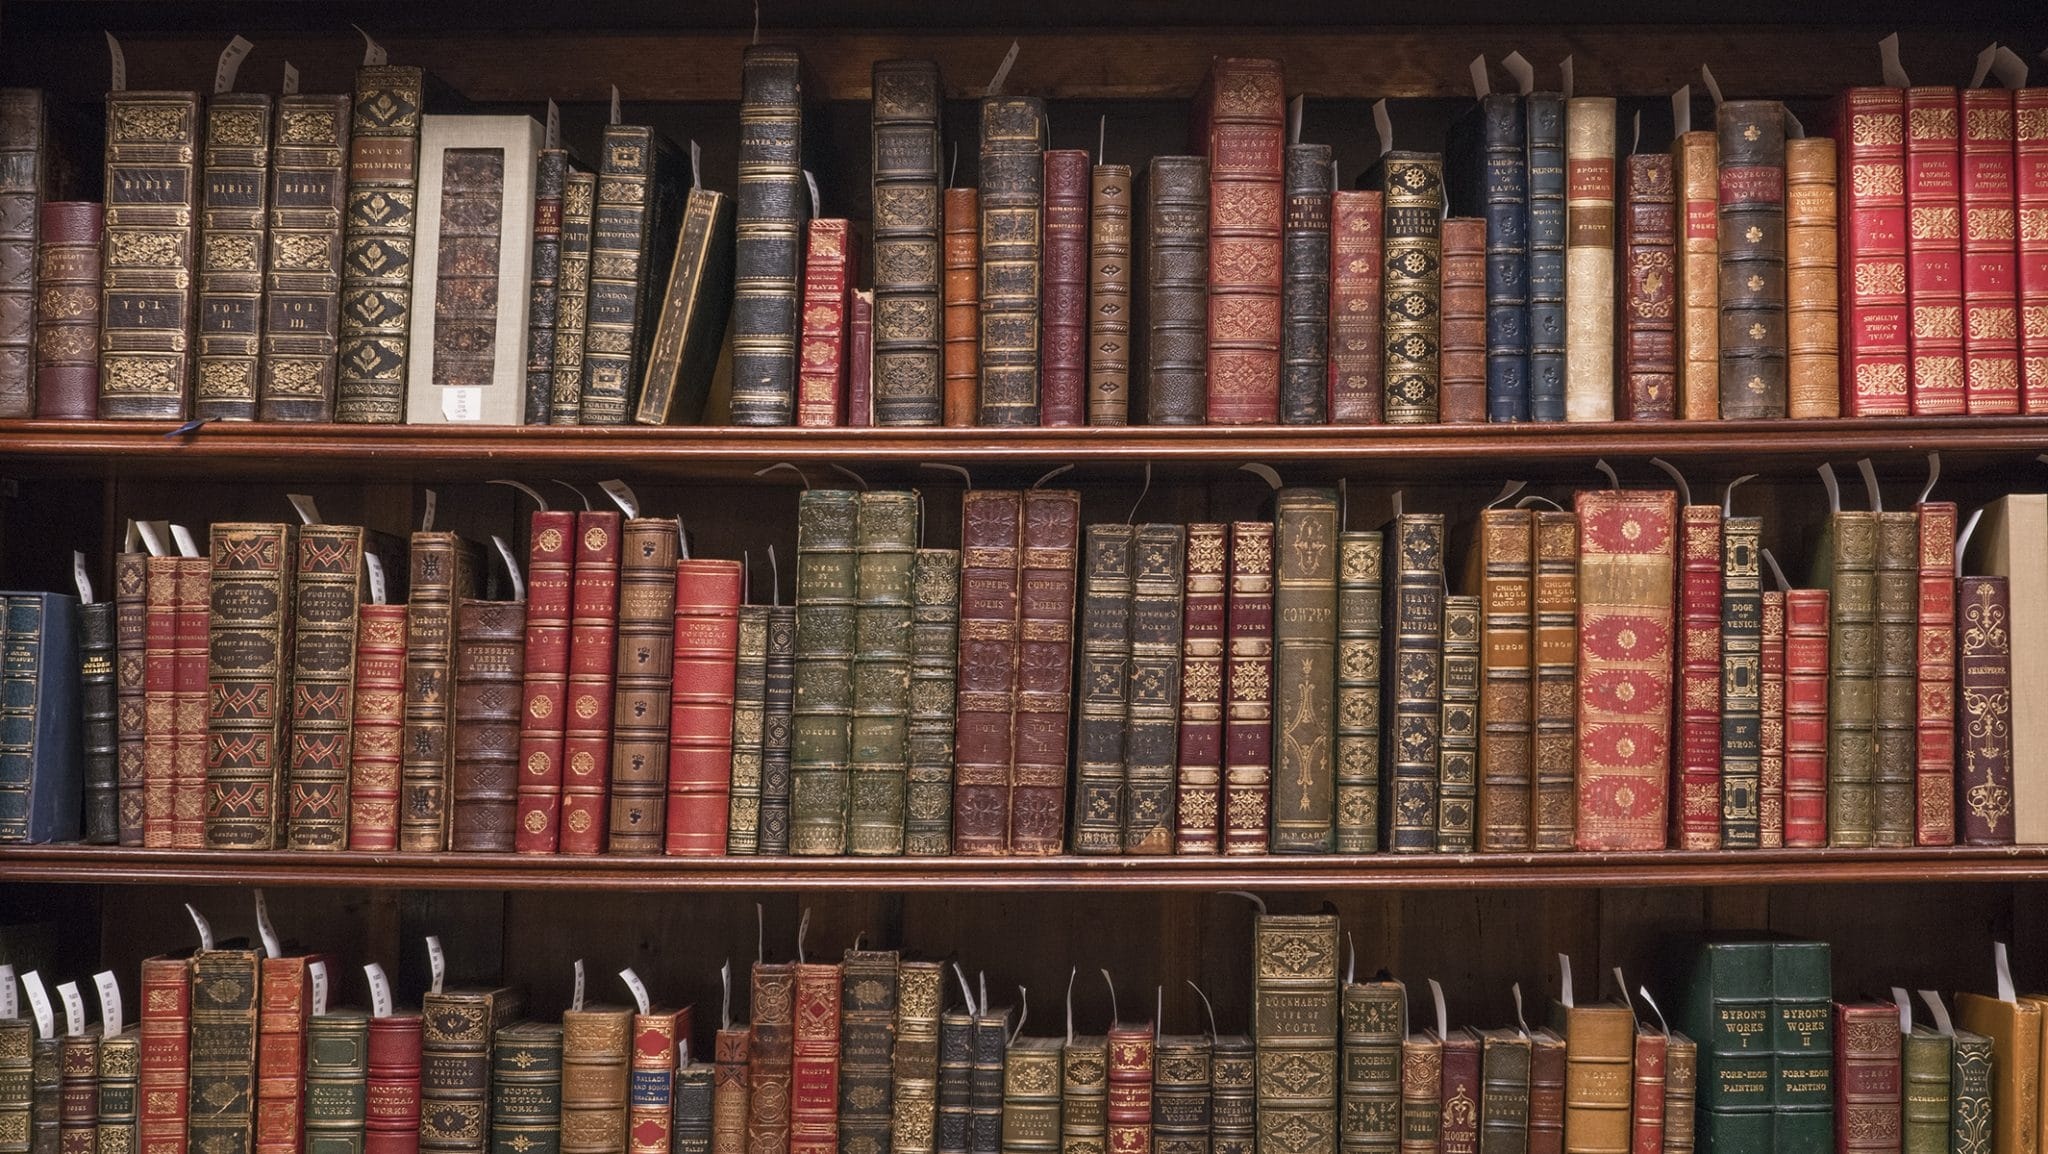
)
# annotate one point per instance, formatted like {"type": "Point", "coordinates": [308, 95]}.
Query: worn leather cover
{"type": "Point", "coordinates": [1045, 657]}
{"type": "Point", "coordinates": [120, 1061]}
{"type": "Point", "coordinates": [1555, 773]}
{"type": "Point", "coordinates": [392, 1112]}
{"type": "Point", "coordinates": [1248, 691]}
{"type": "Point", "coordinates": [249, 668]}
{"type": "Point", "coordinates": [377, 245]}
{"type": "Point", "coordinates": [1462, 389]}
{"type": "Point", "coordinates": [1930, 255]}
{"type": "Point", "coordinates": [1983, 642]}
{"type": "Point", "coordinates": [749, 719]}
{"type": "Point", "coordinates": [24, 148]}
{"type": "Point", "coordinates": [1199, 766]}
{"type": "Point", "coordinates": [1697, 818]}
{"type": "Point", "coordinates": [1878, 158]}
{"type": "Point", "coordinates": [701, 688]}
{"type": "Point", "coordinates": [455, 1065]}
{"type": "Point", "coordinates": [223, 1051]}
{"type": "Point", "coordinates": [1304, 672]}
{"type": "Point", "coordinates": [1751, 240]}
{"type": "Point", "coordinates": [1924, 1062]}
{"type": "Point", "coordinates": [991, 523]}
{"type": "Point", "coordinates": [587, 713]}
{"type": "Point", "coordinates": [1681, 1091]}
{"type": "Point", "coordinates": [1361, 565]}
{"type": "Point", "coordinates": [962, 291]}
{"type": "Point", "coordinates": [132, 699]}
{"type": "Point", "coordinates": [2030, 197]}
{"type": "Point", "coordinates": [829, 277]}
{"type": "Point", "coordinates": [1457, 777]}
{"type": "Point", "coordinates": [526, 1089]}
{"type": "Point", "coordinates": [490, 645]}
{"type": "Point", "coordinates": [1180, 1093]}
{"type": "Point", "coordinates": [689, 329]}
{"type": "Point", "coordinates": [1896, 735]}
{"type": "Point", "coordinates": [1412, 285]}
{"type": "Point", "coordinates": [1295, 1024]}
{"type": "Point", "coordinates": [914, 1061]}
{"type": "Point", "coordinates": [1460, 1092]}
{"type": "Point", "coordinates": [1150, 733]}
{"type": "Point", "coordinates": [770, 1059]}
{"type": "Point", "coordinates": [378, 727]}
{"type": "Point", "coordinates": [1414, 718]}
{"type": "Point", "coordinates": [1370, 1059]}
{"type": "Point", "coordinates": [934, 657]}
{"type": "Point", "coordinates": [550, 577]}
{"type": "Point", "coordinates": [1357, 386]}
{"type": "Point", "coordinates": [1104, 679]}
{"type": "Point", "coordinates": [166, 1017]}
{"type": "Point", "coordinates": [1869, 1097]}
{"type": "Point", "coordinates": [768, 245]}
{"type": "Point", "coordinates": [908, 326]}
{"type": "Point", "coordinates": [572, 298]}
{"type": "Point", "coordinates": [1813, 366]}
{"type": "Point", "coordinates": [1546, 256]}
{"type": "Point", "coordinates": [2014, 1077]}
{"type": "Point", "coordinates": [1031, 1095]}
{"type": "Point", "coordinates": [1599, 1076]}
{"type": "Point", "coordinates": [1649, 314]}
{"type": "Point", "coordinates": [1129, 1105]}
{"type": "Point", "coordinates": [191, 610]}
{"type": "Point", "coordinates": [442, 573]}
{"type": "Point", "coordinates": [551, 175]}
{"type": "Point", "coordinates": [67, 311]}
{"type": "Point", "coordinates": [1063, 291]}
{"type": "Point", "coordinates": [885, 537]}
{"type": "Point", "coordinates": [1012, 205]}
{"type": "Point", "coordinates": [1741, 668]}
{"type": "Point", "coordinates": [1305, 286]}
{"type": "Point", "coordinates": [147, 300]}
{"type": "Point", "coordinates": [1846, 563]}
{"type": "Point", "coordinates": [1990, 294]}
{"type": "Point", "coordinates": [1627, 571]}
{"type": "Point", "coordinates": [78, 1091]}
{"type": "Point", "coordinates": [814, 1076]}
{"type": "Point", "coordinates": [95, 675]}
{"type": "Point", "coordinates": [233, 222]}
{"type": "Point", "coordinates": [1770, 794]}
{"type": "Point", "coordinates": [1109, 295]}
{"type": "Point", "coordinates": [985, 1084]}
{"type": "Point", "coordinates": [1240, 126]}
{"type": "Point", "coordinates": [865, 1032]}
{"type": "Point", "coordinates": [1177, 290]}
{"type": "Point", "coordinates": [776, 724]}
{"type": "Point", "coordinates": [732, 1049]}
{"type": "Point", "coordinates": [284, 1008]}
{"type": "Point", "coordinates": [1499, 192]}
{"type": "Point", "coordinates": [337, 1067]}
{"type": "Point", "coordinates": [860, 359]}
{"type": "Point", "coordinates": [302, 277]}
{"type": "Point", "coordinates": [1806, 718]}
{"type": "Point", "coordinates": [642, 664]}
{"type": "Point", "coordinates": [1233, 1104]}
{"type": "Point", "coordinates": [1970, 1125]}
{"type": "Point", "coordinates": [1506, 562]}
{"type": "Point", "coordinates": [1696, 177]}
{"type": "Point", "coordinates": [827, 596]}
{"type": "Point", "coordinates": [597, 1048]}
{"type": "Point", "coordinates": [327, 586]}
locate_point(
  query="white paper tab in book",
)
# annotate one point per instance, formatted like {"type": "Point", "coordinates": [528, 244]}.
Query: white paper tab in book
{"type": "Point", "coordinates": [437, 962]}
{"type": "Point", "coordinates": [1870, 487]}
{"type": "Point", "coordinates": [1635, 141]}
{"type": "Point", "coordinates": [1443, 1015]}
{"type": "Point", "coordinates": [1905, 1004]}
{"type": "Point", "coordinates": [291, 79]}
{"type": "Point", "coordinates": [1295, 109]}
{"type": "Point", "coordinates": [617, 116]}
{"type": "Point", "coordinates": [2003, 965]}
{"type": "Point", "coordinates": [187, 546]}
{"type": "Point", "coordinates": [511, 567]}
{"type": "Point", "coordinates": [1963, 538]}
{"type": "Point", "coordinates": [553, 137]}
{"type": "Point", "coordinates": [119, 81]}
{"type": "Point", "coordinates": [74, 1008]}
{"type": "Point", "coordinates": [1795, 128]}
{"type": "Point", "coordinates": [1982, 71]}
{"type": "Point", "coordinates": [1383, 124]}
{"type": "Point", "coordinates": [532, 493]}
{"type": "Point", "coordinates": [204, 927]}
{"type": "Point", "coordinates": [1834, 488]}
{"type": "Point", "coordinates": [308, 511]}
{"type": "Point", "coordinates": [1942, 1022]}
{"type": "Point", "coordinates": [638, 988]}
{"type": "Point", "coordinates": [1566, 75]}
{"type": "Point", "coordinates": [81, 578]}
{"type": "Point", "coordinates": [1713, 85]}
{"type": "Point", "coordinates": [230, 63]}
{"type": "Point", "coordinates": [622, 495]}
{"type": "Point", "coordinates": [1564, 979]}
{"type": "Point", "coordinates": [110, 1003]}
{"type": "Point", "coordinates": [380, 990]}
{"type": "Point", "coordinates": [817, 201]}
{"type": "Point", "coordinates": [379, 589]}
{"type": "Point", "coordinates": [1681, 111]}
{"type": "Point", "coordinates": [1518, 66]}
{"type": "Point", "coordinates": [2009, 68]}
{"type": "Point", "coordinates": [995, 83]}
{"type": "Point", "coordinates": [462, 403]}
{"type": "Point", "coordinates": [576, 990]}
{"type": "Point", "coordinates": [1521, 1019]}
{"type": "Point", "coordinates": [427, 516]}
{"type": "Point", "coordinates": [9, 1006]}
{"type": "Point", "coordinates": [271, 947]}
{"type": "Point", "coordinates": [316, 976]}
{"type": "Point", "coordinates": [1888, 63]}
{"type": "Point", "coordinates": [39, 1004]}
{"type": "Point", "coordinates": [373, 52]}
{"type": "Point", "coordinates": [152, 538]}
{"type": "Point", "coordinates": [1654, 1007]}
{"type": "Point", "coordinates": [1481, 87]}
{"type": "Point", "coordinates": [696, 164]}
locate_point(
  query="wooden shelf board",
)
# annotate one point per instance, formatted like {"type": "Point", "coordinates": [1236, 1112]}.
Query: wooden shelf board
{"type": "Point", "coordinates": [108, 865]}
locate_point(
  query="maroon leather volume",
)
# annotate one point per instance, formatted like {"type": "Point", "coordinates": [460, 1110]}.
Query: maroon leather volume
{"type": "Point", "coordinates": [490, 645]}
{"type": "Point", "coordinates": [1697, 816]}
{"type": "Point", "coordinates": [1649, 313]}
{"type": "Point", "coordinates": [1203, 642]}
{"type": "Point", "coordinates": [990, 523]}
{"type": "Point", "coordinates": [391, 1115]}
{"type": "Point", "coordinates": [1459, 1091]}
{"type": "Point", "coordinates": [166, 1061]}
{"type": "Point", "coordinates": [68, 311]}
{"type": "Point", "coordinates": [550, 573]}
{"type": "Point", "coordinates": [1990, 258]}
{"type": "Point", "coordinates": [1463, 323]}
{"type": "Point", "coordinates": [1984, 677]}
{"type": "Point", "coordinates": [1129, 1106]}
{"type": "Point", "coordinates": [1248, 690]}
{"type": "Point", "coordinates": [1935, 691]}
{"type": "Point", "coordinates": [1051, 540]}
{"type": "Point", "coordinates": [829, 276]}
{"type": "Point", "coordinates": [860, 360]}
{"type": "Point", "coordinates": [1063, 298]}
{"type": "Point", "coordinates": [1241, 126]}
{"type": "Point", "coordinates": [700, 707]}
{"type": "Point", "coordinates": [1546, 1092]}
{"type": "Point", "coordinates": [814, 1073]}
{"type": "Point", "coordinates": [587, 725]}
{"type": "Point", "coordinates": [1928, 236]}
{"type": "Point", "coordinates": [1868, 1078]}
{"type": "Point", "coordinates": [1356, 238]}
{"type": "Point", "coordinates": [376, 760]}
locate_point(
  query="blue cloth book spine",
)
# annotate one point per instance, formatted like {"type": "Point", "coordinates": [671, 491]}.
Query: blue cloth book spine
{"type": "Point", "coordinates": [1546, 256]}
{"type": "Point", "coordinates": [1506, 177]}
{"type": "Point", "coordinates": [41, 783]}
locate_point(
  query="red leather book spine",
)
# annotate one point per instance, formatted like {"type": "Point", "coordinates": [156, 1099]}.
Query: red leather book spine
{"type": "Point", "coordinates": [1933, 248]}
{"type": "Point", "coordinates": [1990, 258]}
{"type": "Point", "coordinates": [131, 681]}
{"type": "Point", "coordinates": [1935, 788]}
{"type": "Point", "coordinates": [860, 361]}
{"type": "Point", "coordinates": [1649, 314]}
{"type": "Point", "coordinates": [375, 757]}
{"type": "Point", "coordinates": [1698, 814]}
{"type": "Point", "coordinates": [159, 699]}
{"type": "Point", "coordinates": [550, 578]}
{"type": "Point", "coordinates": [587, 725]}
{"type": "Point", "coordinates": [814, 1073]}
{"type": "Point", "coordinates": [1984, 683]}
{"type": "Point", "coordinates": [1248, 690]}
{"type": "Point", "coordinates": [1130, 1089]}
{"type": "Point", "coordinates": [285, 1002]}
{"type": "Point", "coordinates": [1356, 241]}
{"type": "Point", "coordinates": [1646, 1109]}
{"type": "Point", "coordinates": [651, 1089]}
{"type": "Point", "coordinates": [1806, 718]}
{"type": "Point", "coordinates": [1770, 800]}
{"type": "Point", "coordinates": [700, 706]}
{"type": "Point", "coordinates": [391, 1116]}
{"type": "Point", "coordinates": [1051, 539]}
{"type": "Point", "coordinates": [1627, 573]}
{"type": "Point", "coordinates": [1873, 253]}
{"type": "Point", "coordinates": [188, 757]}
{"type": "Point", "coordinates": [2030, 199]}
{"type": "Point", "coordinates": [986, 694]}
{"type": "Point", "coordinates": [1200, 768]}
{"type": "Point", "coordinates": [1063, 297]}
{"type": "Point", "coordinates": [1241, 128]}
{"type": "Point", "coordinates": [828, 278]}
{"type": "Point", "coordinates": [165, 1056]}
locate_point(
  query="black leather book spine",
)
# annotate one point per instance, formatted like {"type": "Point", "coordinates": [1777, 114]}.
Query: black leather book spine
{"type": "Point", "coordinates": [1305, 287]}
{"type": "Point", "coordinates": [907, 371]}
{"type": "Point", "coordinates": [1177, 290]}
{"type": "Point", "coordinates": [1505, 185]}
{"type": "Point", "coordinates": [1414, 184]}
{"type": "Point", "coordinates": [550, 176]}
{"type": "Point", "coordinates": [1751, 237]}
{"type": "Point", "coordinates": [768, 246]}
{"type": "Point", "coordinates": [639, 207]}
{"type": "Point", "coordinates": [1546, 256]}
{"type": "Point", "coordinates": [96, 710]}
{"type": "Point", "coordinates": [1012, 210]}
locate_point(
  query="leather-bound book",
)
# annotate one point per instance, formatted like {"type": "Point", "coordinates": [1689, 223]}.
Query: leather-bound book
{"type": "Point", "coordinates": [45, 1090]}
{"type": "Point", "coordinates": [78, 1092]}
{"type": "Point", "coordinates": [830, 273]}
{"type": "Point", "coordinates": [1868, 1078]}
{"type": "Point", "coordinates": [777, 721]}
{"type": "Point", "coordinates": [40, 781]}
{"type": "Point", "coordinates": [2030, 197]}
{"type": "Point", "coordinates": [962, 298]}
{"type": "Point", "coordinates": [827, 597]}
{"type": "Point", "coordinates": [749, 718]}
{"type": "Point", "coordinates": [526, 1089]}
{"type": "Point", "coordinates": [1696, 178]}
{"type": "Point", "coordinates": [689, 328]}
{"type": "Point", "coordinates": [302, 276]}
{"type": "Point", "coordinates": [1011, 203]}
{"type": "Point", "coordinates": [1151, 737]}
{"type": "Point", "coordinates": [1984, 176]}
{"type": "Point", "coordinates": [1681, 1091]}
{"type": "Point", "coordinates": [1493, 183]}
{"type": "Point", "coordinates": [1084, 1095]}
{"type": "Point", "coordinates": [1806, 717]}
{"type": "Point", "coordinates": [991, 523]}
{"type": "Point", "coordinates": [147, 300]}
{"type": "Point", "coordinates": [1589, 258]}
{"type": "Point", "coordinates": [1045, 656]}
{"type": "Point", "coordinates": [572, 297]}
{"type": "Point", "coordinates": [587, 700]}
{"type": "Point", "coordinates": [860, 357]}
{"type": "Point", "coordinates": [701, 688]}
{"type": "Point", "coordinates": [768, 245]}
{"type": "Point", "coordinates": [1462, 359]}
{"type": "Point", "coordinates": [643, 663]}
{"type": "Point", "coordinates": [1925, 1058]}
{"type": "Point", "coordinates": [1414, 712]}
{"type": "Point", "coordinates": [162, 1083]}
{"type": "Point", "coordinates": [689, 1124]}
{"type": "Point", "coordinates": [1233, 1100]}
{"type": "Point", "coordinates": [95, 675]}
{"type": "Point", "coordinates": [490, 651]}
{"type": "Point", "coordinates": [985, 1083]}
{"type": "Point", "coordinates": [1370, 1065]}
{"type": "Point", "coordinates": [1505, 567]}
{"type": "Point", "coordinates": [337, 1069]}
{"type": "Point", "coordinates": [2013, 1030]}
{"type": "Point", "coordinates": [1970, 1128]}
{"type": "Point", "coordinates": [1924, 273]}
{"type": "Point", "coordinates": [1802, 1074]}
{"type": "Point", "coordinates": [1361, 560]}
{"type": "Point", "coordinates": [1248, 691]}
{"type": "Point", "coordinates": [597, 1047]}
{"type": "Point", "coordinates": [1740, 659]}
{"type": "Point", "coordinates": [1105, 676]}
{"type": "Point", "coordinates": [1934, 651]}
{"type": "Point", "coordinates": [249, 677]}
{"type": "Point", "coordinates": [651, 1074]}
{"type": "Point", "coordinates": [1646, 1108]}
{"type": "Point", "coordinates": [1240, 126]}
{"type": "Point", "coordinates": [67, 310]}
{"type": "Point", "coordinates": [864, 1032]}
{"type": "Point", "coordinates": [120, 1061]}
{"type": "Point", "coordinates": [1304, 654]}
{"type": "Point", "coordinates": [223, 1050]}
{"type": "Point", "coordinates": [1357, 387]}
{"type": "Point", "coordinates": [1813, 339]}
{"type": "Point", "coordinates": [25, 143]}
{"type": "Point", "coordinates": [1063, 291]}
{"type": "Point", "coordinates": [442, 574]}
{"type": "Point", "coordinates": [1180, 1094]}
{"type": "Point", "coordinates": [1770, 789]}
{"type": "Point", "coordinates": [233, 224]}
{"type": "Point", "coordinates": [2011, 544]}
{"type": "Point", "coordinates": [1894, 770]}
{"type": "Point", "coordinates": [1031, 1096]}
{"type": "Point", "coordinates": [1422, 1063]}
{"type": "Point", "coordinates": [885, 535]}
{"type": "Point", "coordinates": [551, 175]}
{"type": "Point", "coordinates": [391, 1117]}
{"type": "Point", "coordinates": [132, 700]}
{"type": "Point", "coordinates": [191, 699]}
{"type": "Point", "coordinates": [1729, 1011]}
{"type": "Point", "coordinates": [1846, 564]}
{"type": "Point", "coordinates": [1876, 187]}
{"type": "Point", "coordinates": [914, 1058]}
{"type": "Point", "coordinates": [1199, 742]}
{"type": "Point", "coordinates": [1983, 647]}
{"type": "Point", "coordinates": [1504, 1102]}
{"type": "Point", "coordinates": [1556, 662]}
{"type": "Point", "coordinates": [1599, 1050]}
{"type": "Point", "coordinates": [908, 336]}
{"type": "Point", "coordinates": [1547, 1070]}
{"type": "Point", "coordinates": [327, 585]}
{"type": "Point", "coordinates": [1457, 778]}
{"type": "Point", "coordinates": [1131, 1059]}
{"type": "Point", "coordinates": [377, 728]}
{"type": "Point", "coordinates": [956, 1070]}
{"type": "Point", "coordinates": [1649, 313]}
{"type": "Point", "coordinates": [1458, 1093]}
{"type": "Point", "coordinates": [1627, 571]}
{"type": "Point", "coordinates": [1109, 295]}
{"type": "Point", "coordinates": [1546, 255]}
{"type": "Point", "coordinates": [1305, 286]}
{"type": "Point", "coordinates": [1751, 241]}
{"type": "Point", "coordinates": [1294, 1020]}
{"type": "Point", "coordinates": [284, 1006]}
{"type": "Point", "coordinates": [377, 245]}
{"type": "Point", "coordinates": [1413, 185]}
{"type": "Point", "coordinates": [455, 1066]}
{"type": "Point", "coordinates": [550, 579]}
{"type": "Point", "coordinates": [729, 1104]}
{"type": "Point", "coordinates": [633, 237]}
{"type": "Point", "coordinates": [1176, 262]}
{"type": "Point", "coordinates": [934, 650]}
{"type": "Point", "coordinates": [770, 1058]}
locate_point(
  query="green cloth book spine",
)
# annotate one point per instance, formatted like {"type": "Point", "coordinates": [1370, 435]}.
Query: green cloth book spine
{"type": "Point", "coordinates": [526, 1089]}
{"type": "Point", "coordinates": [827, 608]}
{"type": "Point", "coordinates": [1370, 1061]}
{"type": "Point", "coordinates": [1361, 567]}
{"type": "Point", "coordinates": [1304, 654]}
{"type": "Point", "coordinates": [120, 1076]}
{"type": "Point", "coordinates": [1730, 1015]}
{"type": "Point", "coordinates": [1152, 718]}
{"type": "Point", "coordinates": [749, 710]}
{"type": "Point", "coordinates": [1104, 689]}
{"type": "Point", "coordinates": [1847, 567]}
{"type": "Point", "coordinates": [1803, 1038]}
{"type": "Point", "coordinates": [1457, 781]}
{"type": "Point", "coordinates": [1969, 1102]}
{"type": "Point", "coordinates": [934, 651]}
{"type": "Point", "coordinates": [1924, 1060]}
{"type": "Point", "coordinates": [1895, 687]}
{"type": "Point", "coordinates": [1504, 1101]}
{"type": "Point", "coordinates": [1742, 631]}
{"type": "Point", "coordinates": [337, 1081]}
{"type": "Point", "coordinates": [886, 558]}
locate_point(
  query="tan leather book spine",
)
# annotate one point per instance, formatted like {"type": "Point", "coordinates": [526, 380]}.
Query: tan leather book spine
{"type": "Point", "coordinates": [1599, 1052]}
{"type": "Point", "coordinates": [1589, 258]}
{"type": "Point", "coordinates": [640, 698]}
{"type": "Point", "coordinates": [595, 1049]}
{"type": "Point", "coordinates": [1556, 665]}
{"type": "Point", "coordinates": [1109, 296]}
{"type": "Point", "coordinates": [1697, 157]}
{"type": "Point", "coordinates": [1812, 295]}
{"type": "Point", "coordinates": [1507, 679]}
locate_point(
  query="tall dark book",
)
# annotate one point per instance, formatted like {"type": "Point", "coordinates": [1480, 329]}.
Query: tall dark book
{"type": "Point", "coordinates": [223, 1051]}
{"type": "Point", "coordinates": [1492, 155]}
{"type": "Point", "coordinates": [771, 1057]}
{"type": "Point", "coordinates": [1012, 211]}
{"type": "Point", "coordinates": [827, 613]}
{"type": "Point", "coordinates": [1151, 731]}
{"type": "Point", "coordinates": [1970, 1075]}
{"type": "Point", "coordinates": [1031, 1096]}
{"type": "Point", "coordinates": [131, 696]}
{"type": "Point", "coordinates": [1370, 1064]}
{"type": "Point", "coordinates": [1360, 575]}
{"type": "Point", "coordinates": [456, 1033]}
{"type": "Point", "coordinates": [694, 1099]}
{"type": "Point", "coordinates": [689, 330]}
{"type": "Point", "coordinates": [483, 774]}
{"type": "Point", "coordinates": [249, 675]}
{"type": "Point", "coordinates": [1457, 779]}
{"type": "Point", "coordinates": [1233, 1101]}
{"type": "Point", "coordinates": [867, 1030]}
{"type": "Point", "coordinates": [1176, 263]}
{"type": "Point", "coordinates": [1983, 644]}
{"type": "Point", "coordinates": [572, 298]}
{"type": "Point", "coordinates": [99, 805]}
{"type": "Point", "coordinates": [1649, 292]}
{"type": "Point", "coordinates": [777, 722]}
{"type": "Point", "coordinates": [1180, 1094]}
{"type": "Point", "coordinates": [442, 572]}
{"type": "Point", "coordinates": [78, 1091]}
{"type": "Point", "coordinates": [326, 589]}
{"type": "Point", "coordinates": [147, 301]}
{"type": "Point", "coordinates": [1458, 1092]}
{"type": "Point", "coordinates": [1414, 186]}
{"type": "Point", "coordinates": [1130, 1085]}
{"type": "Point", "coordinates": [908, 337]}
{"type": "Point", "coordinates": [639, 210]}
{"type": "Point", "coordinates": [1802, 1036]}
{"type": "Point", "coordinates": [337, 1081]}
{"type": "Point", "coordinates": [1304, 652]}
{"type": "Point", "coordinates": [25, 145]}
{"type": "Point", "coordinates": [1104, 689]}
{"type": "Point", "coordinates": [551, 174]}
{"type": "Point", "coordinates": [885, 542]}
{"type": "Point", "coordinates": [1414, 719]}
{"type": "Point", "coordinates": [956, 1073]}
{"type": "Point", "coordinates": [991, 522]}
{"type": "Point", "coordinates": [1728, 1010]}
{"type": "Point", "coordinates": [642, 663]}
{"type": "Point", "coordinates": [67, 310]}
{"type": "Point", "coordinates": [45, 1090]}
{"type": "Point", "coordinates": [233, 224]}
{"type": "Point", "coordinates": [302, 281]}
{"type": "Point", "coordinates": [1751, 240]}
{"type": "Point", "coordinates": [526, 1089]}
{"type": "Point", "coordinates": [1294, 1022]}
{"type": "Point", "coordinates": [1041, 765]}
{"type": "Point", "coordinates": [749, 717]}
{"type": "Point", "coordinates": [768, 244]}
{"type": "Point", "coordinates": [1305, 286]}
{"type": "Point", "coordinates": [377, 245]}
{"type": "Point", "coordinates": [1741, 682]}
{"type": "Point", "coordinates": [1199, 769]}
{"type": "Point", "coordinates": [934, 650]}
{"type": "Point", "coordinates": [1546, 255]}
{"type": "Point", "coordinates": [1063, 290]}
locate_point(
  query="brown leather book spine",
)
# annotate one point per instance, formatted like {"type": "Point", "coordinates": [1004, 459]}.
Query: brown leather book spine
{"type": "Point", "coordinates": [1813, 339]}
{"type": "Point", "coordinates": [1459, 1093]}
{"type": "Point", "coordinates": [133, 695]}
{"type": "Point", "coordinates": [991, 523]}
{"type": "Point", "coordinates": [233, 239]}
{"type": "Point", "coordinates": [1176, 257]}
{"type": "Point", "coordinates": [1248, 692]}
{"type": "Point", "coordinates": [1696, 821]}
{"type": "Point", "coordinates": [284, 1006]}
{"type": "Point", "coordinates": [1646, 1106]}
{"type": "Point", "coordinates": [1308, 174]}
{"type": "Point", "coordinates": [378, 731]}
{"type": "Point", "coordinates": [327, 582]}
{"type": "Point", "coordinates": [1241, 121]}
{"type": "Point", "coordinates": [1063, 306]}
{"type": "Point", "coordinates": [248, 682]}
{"type": "Point", "coordinates": [1649, 312]}
{"type": "Point", "coordinates": [1868, 1079]}
{"type": "Point", "coordinates": [1556, 661]}
{"type": "Point", "coordinates": [963, 306]}
{"type": "Point", "coordinates": [550, 580]}
{"type": "Point", "coordinates": [732, 1051]}
{"type": "Point", "coordinates": [1356, 385]}
{"type": "Point", "coordinates": [383, 201]}
{"type": "Point", "coordinates": [1051, 540]}
{"type": "Point", "coordinates": [163, 1080]}
{"type": "Point", "coordinates": [490, 649]}
{"type": "Point", "coordinates": [1697, 175]}
{"type": "Point", "coordinates": [640, 694]}
{"type": "Point", "coordinates": [1461, 397]}
{"type": "Point", "coordinates": [771, 1058]}
{"type": "Point", "coordinates": [392, 1091]}
{"type": "Point", "coordinates": [596, 1071]}
{"type": "Point", "coordinates": [1012, 204]}
{"type": "Point", "coordinates": [190, 611]}
{"type": "Point", "coordinates": [587, 720]}
{"type": "Point", "coordinates": [24, 154]}
{"type": "Point", "coordinates": [1109, 296]}
{"type": "Point", "coordinates": [302, 281]}
{"type": "Point", "coordinates": [1203, 645]}
{"type": "Point", "coordinates": [1599, 1050]}
{"type": "Point", "coordinates": [1984, 714]}
{"type": "Point", "coordinates": [701, 687]}
{"type": "Point", "coordinates": [441, 575]}
{"type": "Point", "coordinates": [1546, 1092]}
{"type": "Point", "coordinates": [1304, 674]}
{"type": "Point", "coordinates": [1507, 671]}
{"type": "Point", "coordinates": [67, 310]}
{"type": "Point", "coordinates": [146, 289]}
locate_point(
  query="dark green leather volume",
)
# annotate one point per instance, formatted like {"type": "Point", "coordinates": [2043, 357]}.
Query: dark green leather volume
{"type": "Point", "coordinates": [223, 1051]}
{"type": "Point", "coordinates": [337, 1081]}
{"type": "Point", "coordinates": [885, 558]}
{"type": "Point", "coordinates": [1371, 1067]}
{"type": "Point", "coordinates": [526, 1089]}
{"type": "Point", "coordinates": [1924, 1059]}
{"type": "Point", "coordinates": [827, 598]}
{"type": "Point", "coordinates": [1969, 1102]}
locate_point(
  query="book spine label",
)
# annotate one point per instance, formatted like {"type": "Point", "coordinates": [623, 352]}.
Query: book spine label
{"type": "Point", "coordinates": [1243, 113]}
{"type": "Point", "coordinates": [377, 246]}
{"type": "Point", "coordinates": [1412, 286]}
{"type": "Point", "coordinates": [643, 664]}
{"type": "Point", "coordinates": [1248, 690]}
{"type": "Point", "coordinates": [1305, 286]}
{"type": "Point", "coordinates": [1589, 258]}
{"type": "Point", "coordinates": [1012, 204]}
{"type": "Point", "coordinates": [1357, 386]}
{"type": "Point", "coordinates": [1649, 312]}
{"type": "Point", "coordinates": [1700, 725]}
{"type": "Point", "coordinates": [1063, 296]}
{"type": "Point", "coordinates": [1462, 359]}
{"type": "Point", "coordinates": [1741, 686]}
{"type": "Point", "coordinates": [1204, 644]}
{"type": "Point", "coordinates": [302, 284]}
{"type": "Point", "coordinates": [1751, 240]}
{"type": "Point", "coordinates": [768, 244]}
{"type": "Point", "coordinates": [490, 645]}
{"type": "Point", "coordinates": [377, 735]}
{"type": "Point", "coordinates": [827, 594]}
{"type": "Point", "coordinates": [1176, 260]}
{"type": "Point", "coordinates": [909, 335]}
{"type": "Point", "coordinates": [248, 672]}
{"type": "Point", "coordinates": [572, 298]}
{"type": "Point", "coordinates": [1627, 564]}
{"type": "Point", "coordinates": [962, 292]}
{"type": "Point", "coordinates": [327, 587]}
{"type": "Point", "coordinates": [1507, 670]}
{"type": "Point", "coordinates": [1813, 341]}
{"type": "Point", "coordinates": [701, 691]}
{"type": "Point", "coordinates": [1806, 717]}
{"type": "Point", "coordinates": [1414, 714]}
{"type": "Point", "coordinates": [828, 282]}
{"type": "Point", "coordinates": [1990, 273]}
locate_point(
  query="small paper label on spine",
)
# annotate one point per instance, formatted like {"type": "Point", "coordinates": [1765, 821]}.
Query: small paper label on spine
{"type": "Point", "coordinates": [110, 1002]}
{"type": "Point", "coordinates": [10, 1007]}
{"type": "Point", "coordinates": [380, 990]}
{"type": "Point", "coordinates": [464, 403]}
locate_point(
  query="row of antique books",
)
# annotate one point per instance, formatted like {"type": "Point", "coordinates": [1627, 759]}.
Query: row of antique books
{"type": "Point", "coordinates": [349, 258]}
{"type": "Point", "coordinates": [239, 1051]}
